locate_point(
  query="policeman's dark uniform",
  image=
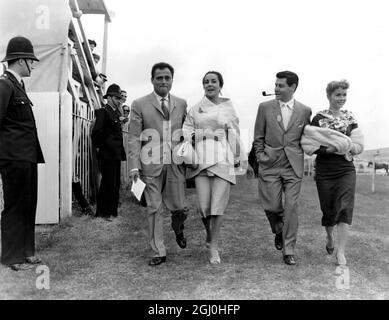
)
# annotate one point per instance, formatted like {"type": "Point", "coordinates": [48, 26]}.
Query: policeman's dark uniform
{"type": "Point", "coordinates": [108, 138]}
{"type": "Point", "coordinates": [20, 152]}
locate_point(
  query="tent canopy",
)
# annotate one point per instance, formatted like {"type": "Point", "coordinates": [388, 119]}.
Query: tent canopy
{"type": "Point", "coordinates": [46, 24]}
{"type": "Point", "coordinates": [94, 7]}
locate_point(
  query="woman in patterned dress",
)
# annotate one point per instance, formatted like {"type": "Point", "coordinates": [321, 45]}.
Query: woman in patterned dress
{"type": "Point", "coordinates": [335, 173]}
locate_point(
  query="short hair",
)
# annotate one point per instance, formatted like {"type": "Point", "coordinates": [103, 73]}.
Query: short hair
{"type": "Point", "coordinates": [161, 65]}
{"type": "Point", "coordinates": [219, 77]}
{"type": "Point", "coordinates": [291, 77]}
{"type": "Point", "coordinates": [126, 107]}
{"type": "Point", "coordinates": [92, 42]}
{"type": "Point", "coordinates": [11, 62]}
{"type": "Point", "coordinates": [333, 85]}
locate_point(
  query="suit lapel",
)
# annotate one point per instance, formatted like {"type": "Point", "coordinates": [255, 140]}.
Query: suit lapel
{"type": "Point", "coordinates": [112, 113]}
{"type": "Point", "coordinates": [172, 103]}
{"type": "Point", "coordinates": [295, 114]}
{"type": "Point", "coordinates": [155, 103]}
{"type": "Point", "coordinates": [17, 84]}
{"type": "Point", "coordinates": [277, 114]}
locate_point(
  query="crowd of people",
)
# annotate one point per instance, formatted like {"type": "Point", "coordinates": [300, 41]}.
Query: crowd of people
{"type": "Point", "coordinates": [159, 124]}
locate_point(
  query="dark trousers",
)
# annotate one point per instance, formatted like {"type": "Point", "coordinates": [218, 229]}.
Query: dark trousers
{"type": "Point", "coordinates": [20, 190]}
{"type": "Point", "coordinates": [108, 195]}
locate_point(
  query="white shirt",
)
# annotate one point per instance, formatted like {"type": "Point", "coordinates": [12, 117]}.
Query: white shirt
{"type": "Point", "coordinates": [286, 111]}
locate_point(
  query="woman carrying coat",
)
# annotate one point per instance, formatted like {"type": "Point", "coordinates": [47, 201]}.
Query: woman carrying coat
{"type": "Point", "coordinates": [335, 137]}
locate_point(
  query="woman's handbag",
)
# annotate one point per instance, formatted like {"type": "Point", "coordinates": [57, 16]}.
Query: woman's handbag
{"type": "Point", "coordinates": [188, 155]}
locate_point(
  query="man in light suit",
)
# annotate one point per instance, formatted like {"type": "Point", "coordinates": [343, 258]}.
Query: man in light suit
{"type": "Point", "coordinates": [278, 129]}
{"type": "Point", "coordinates": [155, 130]}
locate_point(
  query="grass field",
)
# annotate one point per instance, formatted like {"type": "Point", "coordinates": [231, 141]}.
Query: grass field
{"type": "Point", "coordinates": [93, 259]}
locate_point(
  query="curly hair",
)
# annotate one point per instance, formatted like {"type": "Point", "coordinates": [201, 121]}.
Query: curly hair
{"type": "Point", "coordinates": [333, 85]}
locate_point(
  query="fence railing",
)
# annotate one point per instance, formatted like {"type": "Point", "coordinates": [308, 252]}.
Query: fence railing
{"type": "Point", "coordinates": [83, 115]}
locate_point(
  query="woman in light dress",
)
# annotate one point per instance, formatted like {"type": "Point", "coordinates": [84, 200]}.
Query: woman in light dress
{"type": "Point", "coordinates": [213, 126]}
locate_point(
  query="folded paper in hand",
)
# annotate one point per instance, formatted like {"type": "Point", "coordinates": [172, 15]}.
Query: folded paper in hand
{"type": "Point", "coordinates": [137, 188]}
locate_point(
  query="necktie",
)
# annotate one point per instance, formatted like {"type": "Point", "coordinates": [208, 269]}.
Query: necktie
{"type": "Point", "coordinates": [164, 109]}
{"type": "Point", "coordinates": [285, 115]}
{"type": "Point", "coordinates": [22, 83]}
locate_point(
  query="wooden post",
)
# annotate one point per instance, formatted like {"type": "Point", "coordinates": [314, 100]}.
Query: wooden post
{"type": "Point", "coordinates": [105, 45]}
{"type": "Point", "coordinates": [373, 177]}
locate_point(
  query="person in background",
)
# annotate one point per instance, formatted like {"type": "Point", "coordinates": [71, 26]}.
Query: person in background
{"type": "Point", "coordinates": [99, 77]}
{"type": "Point", "coordinates": [126, 114]}
{"type": "Point", "coordinates": [92, 44]}
{"type": "Point", "coordinates": [335, 171]}
{"type": "Point", "coordinates": [108, 138]}
{"type": "Point", "coordinates": [214, 126]}
{"type": "Point", "coordinates": [124, 118]}
{"type": "Point", "coordinates": [155, 121]}
{"type": "Point", "coordinates": [277, 133]}
{"type": "Point", "coordinates": [20, 152]}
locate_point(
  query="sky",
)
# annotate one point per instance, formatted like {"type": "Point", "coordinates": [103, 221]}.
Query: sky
{"type": "Point", "coordinates": [249, 42]}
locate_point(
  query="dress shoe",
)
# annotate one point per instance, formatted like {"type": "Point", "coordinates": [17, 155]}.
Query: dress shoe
{"type": "Point", "coordinates": [33, 260]}
{"type": "Point", "coordinates": [330, 250]}
{"type": "Point", "coordinates": [181, 241]}
{"type": "Point", "coordinates": [289, 259]}
{"type": "Point", "coordinates": [278, 241]}
{"type": "Point", "coordinates": [157, 260]}
{"type": "Point", "coordinates": [21, 266]}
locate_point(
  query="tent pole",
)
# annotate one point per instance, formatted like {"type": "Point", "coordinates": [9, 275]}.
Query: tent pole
{"type": "Point", "coordinates": [105, 45]}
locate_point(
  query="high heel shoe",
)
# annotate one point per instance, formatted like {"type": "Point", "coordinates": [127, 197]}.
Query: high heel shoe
{"type": "Point", "coordinates": [330, 250]}
{"type": "Point", "coordinates": [340, 259]}
{"type": "Point", "coordinates": [214, 258]}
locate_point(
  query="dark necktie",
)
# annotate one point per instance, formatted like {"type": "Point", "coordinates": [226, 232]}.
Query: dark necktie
{"type": "Point", "coordinates": [164, 109]}
{"type": "Point", "coordinates": [22, 83]}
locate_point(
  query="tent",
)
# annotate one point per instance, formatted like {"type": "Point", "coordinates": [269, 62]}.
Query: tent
{"type": "Point", "coordinates": [47, 24]}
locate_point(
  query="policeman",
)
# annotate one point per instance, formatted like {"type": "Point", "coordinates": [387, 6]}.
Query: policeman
{"type": "Point", "coordinates": [107, 136]}
{"type": "Point", "coordinates": [20, 152]}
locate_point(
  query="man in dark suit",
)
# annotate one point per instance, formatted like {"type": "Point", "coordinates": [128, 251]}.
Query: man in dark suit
{"type": "Point", "coordinates": [278, 129]}
{"type": "Point", "coordinates": [20, 152]}
{"type": "Point", "coordinates": [108, 138]}
{"type": "Point", "coordinates": [155, 130]}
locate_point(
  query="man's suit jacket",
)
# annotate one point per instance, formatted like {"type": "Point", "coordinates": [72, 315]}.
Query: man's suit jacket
{"type": "Point", "coordinates": [271, 138]}
{"type": "Point", "coordinates": [18, 134]}
{"type": "Point", "coordinates": [151, 137]}
{"type": "Point", "coordinates": [107, 134]}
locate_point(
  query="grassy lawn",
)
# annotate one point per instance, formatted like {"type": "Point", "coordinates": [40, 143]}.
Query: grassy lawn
{"type": "Point", "coordinates": [93, 259]}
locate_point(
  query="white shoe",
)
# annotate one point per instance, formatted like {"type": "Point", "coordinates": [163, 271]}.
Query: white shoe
{"type": "Point", "coordinates": [215, 258]}
{"type": "Point", "coordinates": [340, 259]}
